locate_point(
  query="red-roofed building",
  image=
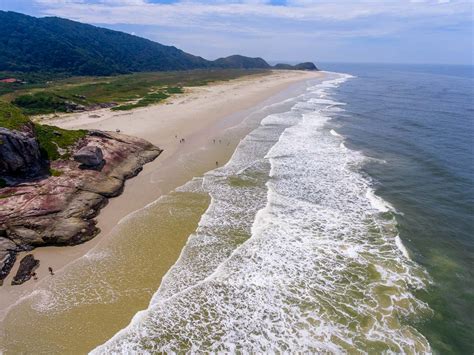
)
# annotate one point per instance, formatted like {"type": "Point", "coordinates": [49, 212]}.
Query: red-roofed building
{"type": "Point", "coordinates": [9, 80]}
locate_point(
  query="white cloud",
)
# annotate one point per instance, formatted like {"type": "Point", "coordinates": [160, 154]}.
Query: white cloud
{"type": "Point", "coordinates": [255, 27]}
{"type": "Point", "coordinates": [140, 11]}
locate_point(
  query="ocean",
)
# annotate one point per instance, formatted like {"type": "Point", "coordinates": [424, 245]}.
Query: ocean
{"type": "Point", "coordinates": [342, 223]}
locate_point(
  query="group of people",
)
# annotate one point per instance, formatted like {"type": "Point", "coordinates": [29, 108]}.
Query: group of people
{"type": "Point", "coordinates": [182, 140]}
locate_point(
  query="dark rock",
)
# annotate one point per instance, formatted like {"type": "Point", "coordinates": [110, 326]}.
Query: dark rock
{"type": "Point", "coordinates": [89, 156]}
{"type": "Point", "coordinates": [7, 257]}
{"type": "Point", "coordinates": [27, 266]}
{"type": "Point", "coordinates": [19, 154]}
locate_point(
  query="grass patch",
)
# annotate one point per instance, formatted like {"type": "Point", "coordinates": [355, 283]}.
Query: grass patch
{"type": "Point", "coordinates": [54, 172]}
{"type": "Point", "coordinates": [51, 139]}
{"type": "Point", "coordinates": [11, 117]}
{"type": "Point", "coordinates": [174, 90]}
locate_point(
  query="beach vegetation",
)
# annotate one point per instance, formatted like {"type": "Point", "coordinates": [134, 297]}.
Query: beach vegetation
{"type": "Point", "coordinates": [150, 98]}
{"type": "Point", "coordinates": [43, 102]}
{"type": "Point", "coordinates": [124, 92]}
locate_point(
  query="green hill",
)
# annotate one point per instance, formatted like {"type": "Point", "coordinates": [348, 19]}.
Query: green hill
{"type": "Point", "coordinates": [56, 45]}
{"type": "Point", "coordinates": [59, 45]}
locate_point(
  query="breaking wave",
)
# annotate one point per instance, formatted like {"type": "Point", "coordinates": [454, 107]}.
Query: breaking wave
{"type": "Point", "coordinates": [296, 252]}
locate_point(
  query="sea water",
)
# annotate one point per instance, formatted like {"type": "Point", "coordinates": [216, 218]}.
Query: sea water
{"type": "Point", "coordinates": [327, 230]}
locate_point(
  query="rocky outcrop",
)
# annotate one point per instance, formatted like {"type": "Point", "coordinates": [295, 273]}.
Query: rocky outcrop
{"type": "Point", "coordinates": [60, 209]}
{"type": "Point", "coordinates": [20, 153]}
{"type": "Point", "coordinates": [89, 155]}
{"type": "Point", "coordinates": [27, 266]}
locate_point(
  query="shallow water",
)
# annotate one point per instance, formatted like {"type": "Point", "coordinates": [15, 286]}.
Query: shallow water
{"type": "Point", "coordinates": [295, 252]}
{"type": "Point", "coordinates": [92, 298]}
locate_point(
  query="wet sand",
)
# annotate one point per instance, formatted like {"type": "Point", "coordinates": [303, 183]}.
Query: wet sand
{"type": "Point", "coordinates": [200, 116]}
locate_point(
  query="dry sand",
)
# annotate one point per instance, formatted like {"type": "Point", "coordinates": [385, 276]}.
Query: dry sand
{"type": "Point", "coordinates": [199, 116]}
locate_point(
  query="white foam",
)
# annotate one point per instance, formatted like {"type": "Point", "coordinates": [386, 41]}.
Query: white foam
{"type": "Point", "coordinates": [402, 248]}
{"type": "Point", "coordinates": [334, 133]}
{"type": "Point", "coordinates": [377, 202]}
{"type": "Point", "coordinates": [290, 255]}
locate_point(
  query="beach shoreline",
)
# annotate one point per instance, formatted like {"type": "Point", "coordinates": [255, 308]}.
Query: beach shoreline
{"type": "Point", "coordinates": [199, 117]}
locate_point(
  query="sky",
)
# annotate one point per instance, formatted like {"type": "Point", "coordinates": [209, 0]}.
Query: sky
{"type": "Point", "coordinates": [392, 31]}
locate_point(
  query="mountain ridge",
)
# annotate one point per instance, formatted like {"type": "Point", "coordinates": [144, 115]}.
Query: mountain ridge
{"type": "Point", "coordinates": [54, 44]}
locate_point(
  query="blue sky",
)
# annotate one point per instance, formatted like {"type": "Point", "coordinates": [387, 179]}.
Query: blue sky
{"type": "Point", "coordinates": [397, 31]}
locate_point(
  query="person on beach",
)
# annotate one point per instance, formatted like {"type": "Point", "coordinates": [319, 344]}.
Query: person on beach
{"type": "Point", "coordinates": [35, 277]}
{"type": "Point", "coordinates": [217, 163]}
{"type": "Point", "coordinates": [50, 269]}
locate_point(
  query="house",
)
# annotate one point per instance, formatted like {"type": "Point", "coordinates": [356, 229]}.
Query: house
{"type": "Point", "coordinates": [9, 80]}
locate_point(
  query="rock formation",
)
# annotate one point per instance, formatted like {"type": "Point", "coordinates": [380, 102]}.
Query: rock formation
{"type": "Point", "coordinates": [59, 209]}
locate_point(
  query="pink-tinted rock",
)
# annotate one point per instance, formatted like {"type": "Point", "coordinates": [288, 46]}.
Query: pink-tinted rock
{"type": "Point", "coordinates": [60, 210]}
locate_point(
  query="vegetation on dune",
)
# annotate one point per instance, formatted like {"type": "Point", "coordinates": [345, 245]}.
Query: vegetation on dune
{"type": "Point", "coordinates": [151, 98]}
{"type": "Point", "coordinates": [42, 102]}
{"type": "Point", "coordinates": [129, 91]}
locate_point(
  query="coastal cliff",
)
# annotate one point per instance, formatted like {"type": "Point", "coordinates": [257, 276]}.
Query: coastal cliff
{"type": "Point", "coordinates": [53, 182]}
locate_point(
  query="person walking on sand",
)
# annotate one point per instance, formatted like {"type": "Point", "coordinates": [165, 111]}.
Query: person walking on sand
{"type": "Point", "coordinates": [217, 163]}
{"type": "Point", "coordinates": [50, 269]}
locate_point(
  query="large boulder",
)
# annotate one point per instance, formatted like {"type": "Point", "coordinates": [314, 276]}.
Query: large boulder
{"type": "Point", "coordinates": [19, 154]}
{"type": "Point", "coordinates": [89, 156]}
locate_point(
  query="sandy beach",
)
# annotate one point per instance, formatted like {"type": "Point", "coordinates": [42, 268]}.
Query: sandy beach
{"type": "Point", "coordinates": [200, 116]}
